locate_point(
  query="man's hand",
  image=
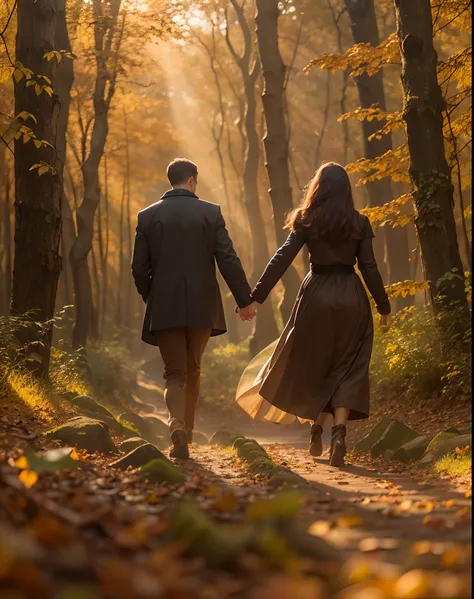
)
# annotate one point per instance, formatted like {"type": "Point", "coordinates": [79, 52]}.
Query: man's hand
{"type": "Point", "coordinates": [249, 312]}
{"type": "Point", "coordinates": [385, 322]}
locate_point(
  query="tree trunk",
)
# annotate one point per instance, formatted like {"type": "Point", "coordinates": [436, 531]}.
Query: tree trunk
{"type": "Point", "coordinates": [423, 107]}
{"type": "Point", "coordinates": [391, 244]}
{"type": "Point", "coordinates": [64, 86]}
{"type": "Point", "coordinates": [266, 329]}
{"type": "Point", "coordinates": [6, 236]}
{"type": "Point", "coordinates": [275, 139]}
{"type": "Point", "coordinates": [37, 261]}
{"type": "Point", "coordinates": [106, 37]}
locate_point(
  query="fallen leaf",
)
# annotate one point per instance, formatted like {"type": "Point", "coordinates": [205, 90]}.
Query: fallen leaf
{"type": "Point", "coordinates": [28, 478]}
{"type": "Point", "coordinates": [349, 521]}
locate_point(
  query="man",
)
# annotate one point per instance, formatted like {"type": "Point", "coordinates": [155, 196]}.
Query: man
{"type": "Point", "coordinates": [178, 242]}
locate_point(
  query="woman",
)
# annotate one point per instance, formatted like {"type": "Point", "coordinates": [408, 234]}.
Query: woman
{"type": "Point", "coordinates": [320, 364]}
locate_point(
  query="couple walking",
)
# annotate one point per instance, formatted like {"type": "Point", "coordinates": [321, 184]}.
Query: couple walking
{"type": "Point", "coordinates": [321, 361]}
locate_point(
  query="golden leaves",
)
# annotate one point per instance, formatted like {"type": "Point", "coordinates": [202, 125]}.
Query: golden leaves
{"type": "Point", "coordinates": [360, 58]}
{"type": "Point", "coordinates": [394, 164]}
{"type": "Point", "coordinates": [405, 288]}
{"type": "Point", "coordinates": [390, 213]}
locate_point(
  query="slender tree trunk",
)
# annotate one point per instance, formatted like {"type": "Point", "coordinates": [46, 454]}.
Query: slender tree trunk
{"type": "Point", "coordinates": [37, 262]}
{"type": "Point", "coordinates": [423, 107]}
{"type": "Point", "coordinates": [391, 244]}
{"type": "Point", "coordinates": [128, 218]}
{"type": "Point", "coordinates": [107, 38]}
{"type": "Point", "coordinates": [266, 329]}
{"type": "Point", "coordinates": [64, 86]}
{"type": "Point", "coordinates": [7, 236]}
{"type": "Point", "coordinates": [119, 313]}
{"type": "Point", "coordinates": [105, 248]}
{"type": "Point", "coordinates": [275, 140]}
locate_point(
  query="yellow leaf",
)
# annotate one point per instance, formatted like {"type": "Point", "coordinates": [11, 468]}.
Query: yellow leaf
{"type": "Point", "coordinates": [350, 521]}
{"type": "Point", "coordinates": [37, 89]}
{"type": "Point", "coordinates": [468, 495]}
{"type": "Point", "coordinates": [448, 503]}
{"type": "Point", "coordinates": [320, 528]}
{"type": "Point", "coordinates": [212, 491]}
{"type": "Point", "coordinates": [42, 170]}
{"type": "Point", "coordinates": [17, 75]}
{"type": "Point", "coordinates": [22, 463]}
{"type": "Point", "coordinates": [74, 455]}
{"type": "Point", "coordinates": [226, 503]}
{"type": "Point", "coordinates": [415, 584]}
{"type": "Point", "coordinates": [28, 478]}
{"type": "Point", "coordinates": [37, 143]}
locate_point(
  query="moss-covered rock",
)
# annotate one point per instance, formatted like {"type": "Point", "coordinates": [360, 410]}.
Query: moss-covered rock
{"type": "Point", "coordinates": [395, 435]}
{"type": "Point", "coordinates": [132, 443]}
{"type": "Point", "coordinates": [365, 444]}
{"type": "Point", "coordinates": [91, 408]}
{"type": "Point", "coordinates": [444, 446]}
{"type": "Point", "coordinates": [156, 425]}
{"type": "Point", "coordinates": [139, 457]}
{"type": "Point", "coordinates": [224, 437]}
{"type": "Point", "coordinates": [85, 433]}
{"type": "Point", "coordinates": [441, 437]}
{"type": "Point", "coordinates": [200, 438]}
{"type": "Point", "coordinates": [413, 450]}
{"type": "Point", "coordinates": [158, 471]}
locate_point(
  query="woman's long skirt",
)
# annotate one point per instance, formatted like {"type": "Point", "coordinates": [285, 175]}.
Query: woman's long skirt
{"type": "Point", "coordinates": [321, 360]}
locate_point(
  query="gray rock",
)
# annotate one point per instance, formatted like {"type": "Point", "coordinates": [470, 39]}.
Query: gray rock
{"type": "Point", "coordinates": [85, 433]}
{"type": "Point", "coordinates": [132, 443]}
{"type": "Point", "coordinates": [139, 424]}
{"type": "Point", "coordinates": [93, 409]}
{"type": "Point", "coordinates": [441, 437]}
{"type": "Point", "coordinates": [365, 444]}
{"type": "Point", "coordinates": [395, 435]}
{"type": "Point", "coordinates": [444, 447]}
{"type": "Point", "coordinates": [156, 426]}
{"type": "Point", "coordinates": [139, 457]}
{"type": "Point", "coordinates": [200, 438]}
{"type": "Point", "coordinates": [413, 450]}
{"type": "Point", "coordinates": [141, 405]}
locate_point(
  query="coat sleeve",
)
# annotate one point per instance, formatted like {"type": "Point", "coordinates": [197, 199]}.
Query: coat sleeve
{"type": "Point", "coordinates": [278, 265]}
{"type": "Point", "coordinates": [141, 262]}
{"type": "Point", "coordinates": [370, 272]}
{"type": "Point", "coordinates": [229, 264]}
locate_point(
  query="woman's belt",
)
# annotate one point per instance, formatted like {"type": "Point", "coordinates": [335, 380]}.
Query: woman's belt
{"type": "Point", "coordinates": [332, 269]}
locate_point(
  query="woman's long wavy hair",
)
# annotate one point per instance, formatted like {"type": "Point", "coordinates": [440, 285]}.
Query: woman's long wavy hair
{"type": "Point", "coordinates": [327, 206]}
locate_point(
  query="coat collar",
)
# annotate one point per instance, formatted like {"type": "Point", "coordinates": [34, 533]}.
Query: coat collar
{"type": "Point", "coordinates": [179, 192]}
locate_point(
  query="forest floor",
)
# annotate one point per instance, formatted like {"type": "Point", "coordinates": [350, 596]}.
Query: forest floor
{"type": "Point", "coordinates": [98, 532]}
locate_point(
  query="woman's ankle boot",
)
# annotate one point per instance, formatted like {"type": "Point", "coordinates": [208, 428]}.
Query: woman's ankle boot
{"type": "Point", "coordinates": [338, 446]}
{"type": "Point", "coordinates": [316, 443]}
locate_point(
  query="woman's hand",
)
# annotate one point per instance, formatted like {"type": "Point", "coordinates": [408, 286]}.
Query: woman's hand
{"type": "Point", "coordinates": [385, 322]}
{"type": "Point", "coordinates": [249, 312]}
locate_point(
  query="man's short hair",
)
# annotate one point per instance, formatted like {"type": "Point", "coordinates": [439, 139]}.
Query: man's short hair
{"type": "Point", "coordinates": [180, 171]}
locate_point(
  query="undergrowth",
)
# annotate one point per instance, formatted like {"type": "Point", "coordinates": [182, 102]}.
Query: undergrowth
{"type": "Point", "coordinates": [454, 464]}
{"type": "Point", "coordinates": [423, 355]}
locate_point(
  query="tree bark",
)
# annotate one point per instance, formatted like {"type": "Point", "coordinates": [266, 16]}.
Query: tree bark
{"type": "Point", "coordinates": [391, 244]}
{"type": "Point", "coordinates": [107, 38]}
{"type": "Point", "coordinates": [423, 107]}
{"type": "Point", "coordinates": [37, 261]}
{"type": "Point", "coordinates": [275, 139]}
{"type": "Point", "coordinates": [5, 188]}
{"type": "Point", "coordinates": [64, 86]}
{"type": "Point", "coordinates": [266, 329]}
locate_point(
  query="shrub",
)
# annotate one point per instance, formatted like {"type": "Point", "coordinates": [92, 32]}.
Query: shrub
{"type": "Point", "coordinates": [423, 354]}
{"type": "Point", "coordinates": [222, 368]}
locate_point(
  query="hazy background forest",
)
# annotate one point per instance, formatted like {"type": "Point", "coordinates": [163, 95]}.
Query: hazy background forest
{"type": "Point", "coordinates": [141, 82]}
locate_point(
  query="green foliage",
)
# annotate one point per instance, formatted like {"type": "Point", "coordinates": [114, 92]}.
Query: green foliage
{"type": "Point", "coordinates": [455, 464]}
{"type": "Point", "coordinates": [222, 368]}
{"type": "Point", "coordinates": [423, 355]}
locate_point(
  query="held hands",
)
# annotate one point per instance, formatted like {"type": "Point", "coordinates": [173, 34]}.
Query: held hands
{"type": "Point", "coordinates": [248, 313]}
{"type": "Point", "coordinates": [385, 322]}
